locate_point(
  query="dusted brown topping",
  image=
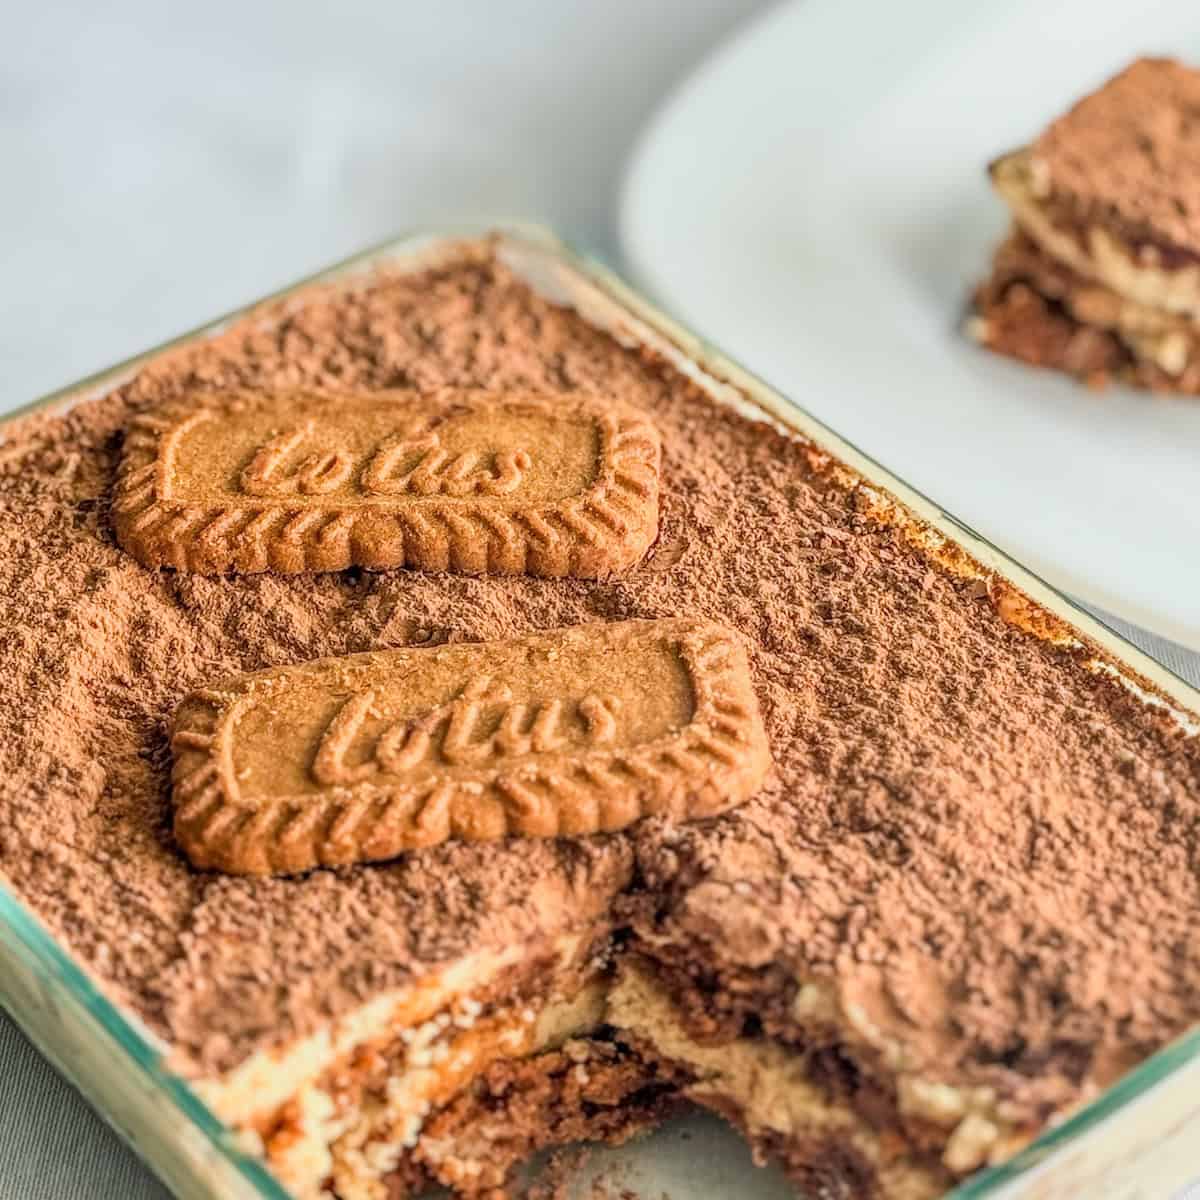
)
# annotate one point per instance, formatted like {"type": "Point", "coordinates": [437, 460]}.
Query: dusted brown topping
{"type": "Point", "coordinates": [986, 856]}
{"type": "Point", "coordinates": [458, 480]}
{"type": "Point", "coordinates": [363, 757]}
{"type": "Point", "coordinates": [1128, 156]}
{"type": "Point", "coordinates": [987, 848]}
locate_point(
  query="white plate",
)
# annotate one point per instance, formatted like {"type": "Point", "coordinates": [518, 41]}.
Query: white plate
{"type": "Point", "coordinates": [814, 200]}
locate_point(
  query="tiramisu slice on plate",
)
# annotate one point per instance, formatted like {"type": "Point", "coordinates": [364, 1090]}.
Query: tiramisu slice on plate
{"type": "Point", "coordinates": [1101, 276]}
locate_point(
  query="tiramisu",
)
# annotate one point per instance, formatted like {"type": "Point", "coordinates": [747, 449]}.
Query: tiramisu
{"type": "Point", "coordinates": [963, 900]}
{"type": "Point", "coordinates": [1101, 274]}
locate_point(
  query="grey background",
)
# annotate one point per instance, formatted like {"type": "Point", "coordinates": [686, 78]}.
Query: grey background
{"type": "Point", "coordinates": [162, 163]}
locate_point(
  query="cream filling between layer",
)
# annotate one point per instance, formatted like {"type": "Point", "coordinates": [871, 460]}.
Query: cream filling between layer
{"type": "Point", "coordinates": [434, 1021]}
{"type": "Point", "coordinates": [269, 1079]}
{"type": "Point", "coordinates": [1025, 189]}
{"type": "Point", "coordinates": [375, 1140]}
{"type": "Point", "coordinates": [769, 1084]}
{"type": "Point", "coordinates": [441, 1043]}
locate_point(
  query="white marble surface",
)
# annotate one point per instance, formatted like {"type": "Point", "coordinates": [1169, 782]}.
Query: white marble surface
{"type": "Point", "coordinates": [163, 162]}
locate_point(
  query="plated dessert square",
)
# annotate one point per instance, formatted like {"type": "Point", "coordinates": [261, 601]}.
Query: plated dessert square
{"type": "Point", "coordinates": [1101, 276]}
{"type": "Point", "coordinates": [956, 902]}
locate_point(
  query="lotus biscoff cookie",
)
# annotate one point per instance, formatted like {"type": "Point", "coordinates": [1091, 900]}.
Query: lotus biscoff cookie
{"type": "Point", "coordinates": [458, 480]}
{"type": "Point", "coordinates": [571, 732]}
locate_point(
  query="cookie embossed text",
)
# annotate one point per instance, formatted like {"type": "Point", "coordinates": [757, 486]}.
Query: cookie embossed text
{"type": "Point", "coordinates": [451, 733]}
{"type": "Point", "coordinates": [414, 466]}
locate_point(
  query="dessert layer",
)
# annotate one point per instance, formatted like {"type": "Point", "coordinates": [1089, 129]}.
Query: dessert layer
{"type": "Point", "coordinates": [979, 846]}
{"type": "Point", "coordinates": [1034, 308]}
{"type": "Point", "coordinates": [590, 1089]}
{"type": "Point", "coordinates": [1128, 156]}
{"type": "Point", "coordinates": [1091, 247]}
{"type": "Point", "coordinates": [829, 1048]}
{"type": "Point", "coordinates": [770, 1091]}
{"type": "Point", "coordinates": [342, 1109]}
{"type": "Point", "coordinates": [1167, 341]}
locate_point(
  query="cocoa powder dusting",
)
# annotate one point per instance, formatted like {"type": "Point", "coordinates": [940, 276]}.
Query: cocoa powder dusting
{"type": "Point", "coordinates": [1127, 155]}
{"type": "Point", "coordinates": [989, 849]}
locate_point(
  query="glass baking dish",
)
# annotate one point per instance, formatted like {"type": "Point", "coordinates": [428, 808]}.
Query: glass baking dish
{"type": "Point", "coordinates": [1141, 1137]}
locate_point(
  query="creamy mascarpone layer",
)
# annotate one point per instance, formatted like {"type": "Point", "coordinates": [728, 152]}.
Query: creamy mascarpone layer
{"type": "Point", "coordinates": [1093, 251]}
{"type": "Point", "coordinates": [435, 1039]}
{"type": "Point", "coordinates": [308, 1110]}
{"type": "Point", "coordinates": [296, 1106]}
{"type": "Point", "coordinates": [267, 1080]}
{"type": "Point", "coordinates": [771, 1087]}
{"type": "Point", "coordinates": [373, 1145]}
